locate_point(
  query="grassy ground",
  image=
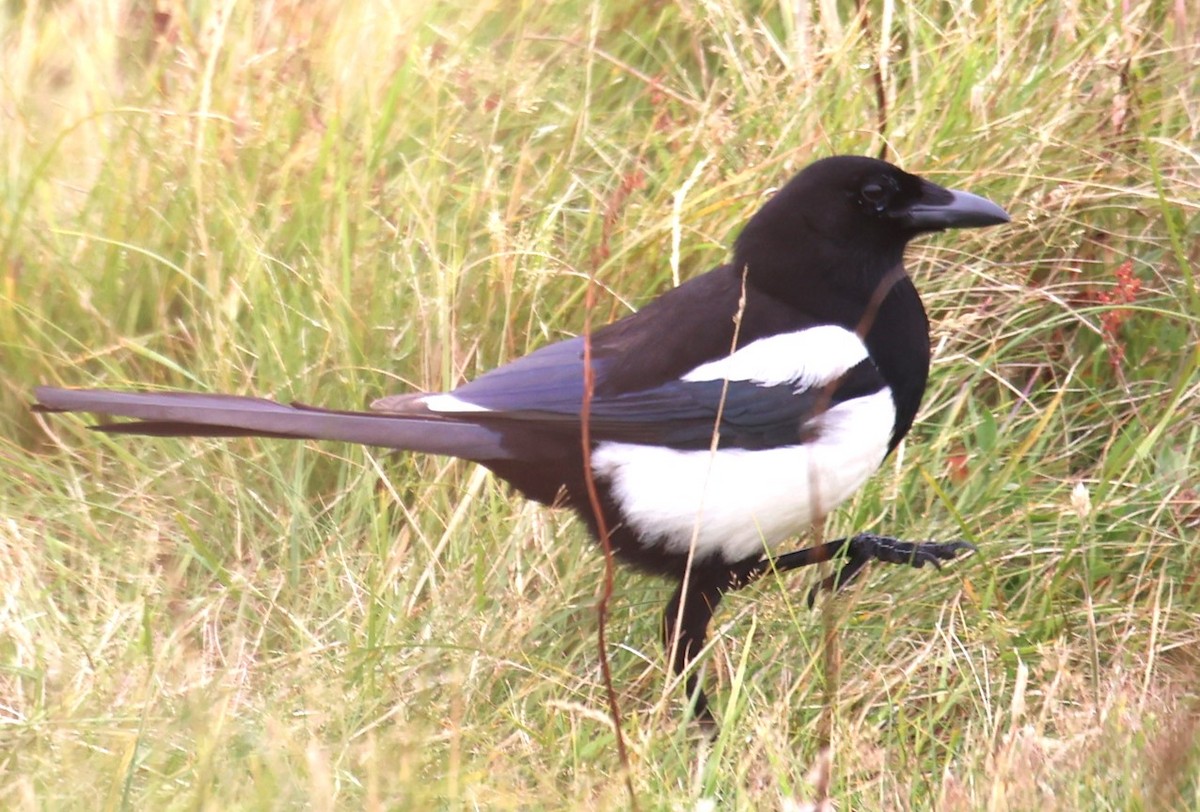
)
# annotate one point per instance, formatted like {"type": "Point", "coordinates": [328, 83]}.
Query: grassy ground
{"type": "Point", "coordinates": [328, 202]}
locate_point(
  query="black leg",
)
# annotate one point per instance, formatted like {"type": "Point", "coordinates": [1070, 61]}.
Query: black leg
{"type": "Point", "coordinates": [867, 547]}
{"type": "Point", "coordinates": [860, 550]}
{"type": "Point", "coordinates": [707, 586]}
{"type": "Point", "coordinates": [704, 593]}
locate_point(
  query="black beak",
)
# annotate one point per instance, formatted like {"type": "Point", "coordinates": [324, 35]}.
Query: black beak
{"type": "Point", "coordinates": [938, 208]}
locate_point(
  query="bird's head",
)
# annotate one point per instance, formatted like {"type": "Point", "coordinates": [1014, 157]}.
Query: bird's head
{"type": "Point", "coordinates": [851, 216]}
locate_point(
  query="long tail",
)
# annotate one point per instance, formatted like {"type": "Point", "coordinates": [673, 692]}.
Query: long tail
{"type": "Point", "coordinates": [186, 414]}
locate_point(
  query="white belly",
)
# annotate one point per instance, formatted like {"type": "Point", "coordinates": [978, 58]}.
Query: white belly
{"type": "Point", "coordinates": [741, 503]}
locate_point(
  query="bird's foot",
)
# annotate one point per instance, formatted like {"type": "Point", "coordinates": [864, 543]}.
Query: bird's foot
{"type": "Point", "coordinates": [867, 547]}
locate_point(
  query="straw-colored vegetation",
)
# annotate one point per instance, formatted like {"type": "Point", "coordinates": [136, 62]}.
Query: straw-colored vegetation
{"type": "Point", "coordinates": [330, 201]}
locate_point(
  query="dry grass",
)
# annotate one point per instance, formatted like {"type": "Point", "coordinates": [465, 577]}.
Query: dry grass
{"type": "Point", "coordinates": [328, 201]}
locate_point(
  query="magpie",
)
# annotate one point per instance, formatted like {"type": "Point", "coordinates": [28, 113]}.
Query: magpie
{"type": "Point", "coordinates": [727, 415]}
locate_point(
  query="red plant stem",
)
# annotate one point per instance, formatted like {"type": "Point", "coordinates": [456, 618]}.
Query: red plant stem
{"type": "Point", "coordinates": [585, 412]}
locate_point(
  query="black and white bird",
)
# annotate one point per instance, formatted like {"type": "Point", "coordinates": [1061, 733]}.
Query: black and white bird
{"type": "Point", "coordinates": [727, 416]}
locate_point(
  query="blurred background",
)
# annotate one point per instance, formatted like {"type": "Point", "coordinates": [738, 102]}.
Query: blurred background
{"type": "Point", "coordinates": [328, 202]}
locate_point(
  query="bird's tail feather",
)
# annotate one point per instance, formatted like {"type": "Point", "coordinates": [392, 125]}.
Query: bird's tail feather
{"type": "Point", "coordinates": [187, 414]}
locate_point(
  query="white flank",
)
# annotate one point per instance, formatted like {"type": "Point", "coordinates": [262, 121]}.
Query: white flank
{"type": "Point", "coordinates": [449, 403]}
{"type": "Point", "coordinates": [743, 502]}
{"type": "Point", "coordinates": [811, 357]}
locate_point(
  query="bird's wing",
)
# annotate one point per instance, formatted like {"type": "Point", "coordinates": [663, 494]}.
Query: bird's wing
{"type": "Point", "coordinates": [546, 388]}
{"type": "Point", "coordinates": [549, 379]}
{"type": "Point", "coordinates": [685, 414]}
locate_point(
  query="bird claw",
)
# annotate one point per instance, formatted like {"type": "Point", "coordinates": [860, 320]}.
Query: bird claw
{"type": "Point", "coordinates": [867, 547]}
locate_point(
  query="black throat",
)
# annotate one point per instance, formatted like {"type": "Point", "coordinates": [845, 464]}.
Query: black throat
{"type": "Point", "coordinates": [897, 339]}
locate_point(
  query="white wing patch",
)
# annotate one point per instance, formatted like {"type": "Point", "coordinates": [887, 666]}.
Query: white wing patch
{"type": "Point", "coordinates": [450, 404]}
{"type": "Point", "coordinates": [742, 503]}
{"type": "Point", "coordinates": [811, 357]}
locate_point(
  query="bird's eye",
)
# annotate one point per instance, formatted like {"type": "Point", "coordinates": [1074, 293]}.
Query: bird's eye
{"type": "Point", "coordinates": [876, 193]}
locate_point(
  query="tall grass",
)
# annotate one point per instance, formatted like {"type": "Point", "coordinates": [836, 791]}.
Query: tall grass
{"type": "Point", "coordinates": [328, 202]}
